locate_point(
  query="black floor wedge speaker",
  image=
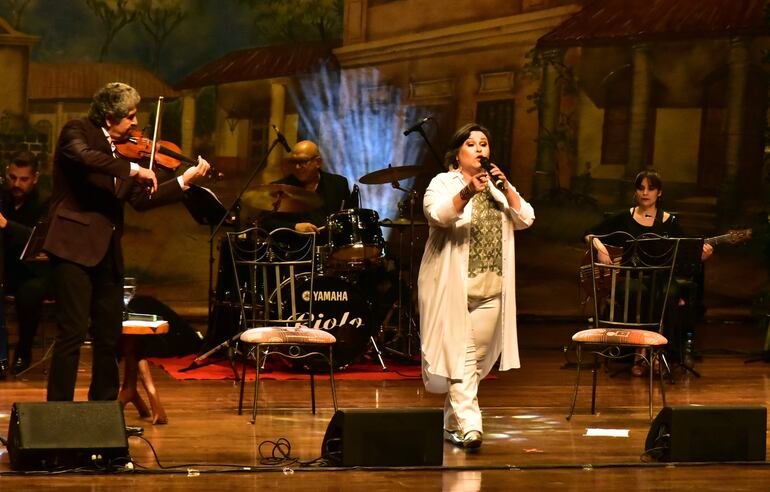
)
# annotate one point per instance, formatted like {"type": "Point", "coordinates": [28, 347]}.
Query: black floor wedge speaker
{"type": "Point", "coordinates": [48, 435]}
{"type": "Point", "coordinates": [385, 437]}
{"type": "Point", "coordinates": [708, 433]}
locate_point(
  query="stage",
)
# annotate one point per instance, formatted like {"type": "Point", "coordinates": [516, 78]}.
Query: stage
{"type": "Point", "coordinates": [528, 443]}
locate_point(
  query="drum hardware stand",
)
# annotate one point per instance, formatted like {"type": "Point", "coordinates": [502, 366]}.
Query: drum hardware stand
{"type": "Point", "coordinates": [379, 353]}
{"type": "Point", "coordinates": [234, 209]}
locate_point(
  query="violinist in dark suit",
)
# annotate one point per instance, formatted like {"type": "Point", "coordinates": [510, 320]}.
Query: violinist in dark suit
{"type": "Point", "coordinates": [90, 186]}
{"type": "Point", "coordinates": [303, 166]}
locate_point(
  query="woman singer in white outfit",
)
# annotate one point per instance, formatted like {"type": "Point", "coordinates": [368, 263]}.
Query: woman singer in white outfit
{"type": "Point", "coordinates": [467, 280]}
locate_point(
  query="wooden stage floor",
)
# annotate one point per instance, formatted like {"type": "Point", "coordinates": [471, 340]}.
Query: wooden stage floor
{"type": "Point", "coordinates": [528, 443]}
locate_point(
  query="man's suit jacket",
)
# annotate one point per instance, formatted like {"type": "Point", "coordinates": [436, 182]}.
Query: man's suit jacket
{"type": "Point", "coordinates": [90, 187]}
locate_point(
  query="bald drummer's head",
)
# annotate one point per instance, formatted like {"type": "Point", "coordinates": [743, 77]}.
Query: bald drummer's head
{"type": "Point", "coordinates": [303, 150]}
{"type": "Point", "coordinates": [304, 161]}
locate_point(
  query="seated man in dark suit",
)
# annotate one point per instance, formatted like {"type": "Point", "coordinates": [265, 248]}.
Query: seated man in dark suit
{"type": "Point", "coordinates": [29, 282]}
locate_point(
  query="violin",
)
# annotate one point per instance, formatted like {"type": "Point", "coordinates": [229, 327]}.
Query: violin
{"type": "Point", "coordinates": [138, 147]}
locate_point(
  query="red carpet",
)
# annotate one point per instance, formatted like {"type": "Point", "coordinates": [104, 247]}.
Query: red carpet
{"type": "Point", "coordinates": [222, 370]}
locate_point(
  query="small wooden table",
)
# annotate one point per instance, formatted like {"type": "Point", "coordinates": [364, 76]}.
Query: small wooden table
{"type": "Point", "coordinates": [135, 369]}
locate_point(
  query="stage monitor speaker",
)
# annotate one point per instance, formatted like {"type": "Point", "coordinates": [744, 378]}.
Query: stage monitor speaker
{"type": "Point", "coordinates": [47, 435]}
{"type": "Point", "coordinates": [385, 437]}
{"type": "Point", "coordinates": [708, 433]}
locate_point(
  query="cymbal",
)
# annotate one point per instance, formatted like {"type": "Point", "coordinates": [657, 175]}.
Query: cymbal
{"type": "Point", "coordinates": [402, 222]}
{"type": "Point", "coordinates": [390, 174]}
{"type": "Point", "coordinates": [281, 198]}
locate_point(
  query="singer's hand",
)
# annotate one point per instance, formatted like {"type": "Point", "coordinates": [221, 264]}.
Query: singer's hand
{"type": "Point", "coordinates": [306, 227]}
{"type": "Point", "coordinates": [498, 175]}
{"type": "Point", "coordinates": [478, 182]}
{"type": "Point", "coordinates": [147, 176]}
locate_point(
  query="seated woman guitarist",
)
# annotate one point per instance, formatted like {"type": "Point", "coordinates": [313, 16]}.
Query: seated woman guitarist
{"type": "Point", "coordinates": [646, 217]}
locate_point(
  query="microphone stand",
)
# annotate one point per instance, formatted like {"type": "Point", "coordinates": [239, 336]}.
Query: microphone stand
{"type": "Point", "coordinates": [436, 157]}
{"type": "Point", "coordinates": [410, 331]}
{"type": "Point", "coordinates": [200, 360]}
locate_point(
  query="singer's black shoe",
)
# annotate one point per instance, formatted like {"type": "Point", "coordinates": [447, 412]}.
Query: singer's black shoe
{"type": "Point", "coordinates": [132, 430]}
{"type": "Point", "coordinates": [3, 368]}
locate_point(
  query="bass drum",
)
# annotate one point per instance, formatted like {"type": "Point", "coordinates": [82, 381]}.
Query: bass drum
{"type": "Point", "coordinates": [340, 308]}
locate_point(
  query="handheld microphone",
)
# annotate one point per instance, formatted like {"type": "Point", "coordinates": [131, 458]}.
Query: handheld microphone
{"type": "Point", "coordinates": [485, 164]}
{"type": "Point", "coordinates": [281, 138]}
{"type": "Point", "coordinates": [417, 126]}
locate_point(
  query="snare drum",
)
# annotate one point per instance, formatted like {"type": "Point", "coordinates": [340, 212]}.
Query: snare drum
{"type": "Point", "coordinates": [355, 236]}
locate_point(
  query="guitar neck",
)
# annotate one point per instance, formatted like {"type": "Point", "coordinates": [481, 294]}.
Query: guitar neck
{"type": "Point", "coordinates": [716, 239]}
{"type": "Point", "coordinates": [731, 237]}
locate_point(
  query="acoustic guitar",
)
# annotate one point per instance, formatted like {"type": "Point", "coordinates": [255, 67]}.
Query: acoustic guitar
{"type": "Point", "coordinates": [616, 252]}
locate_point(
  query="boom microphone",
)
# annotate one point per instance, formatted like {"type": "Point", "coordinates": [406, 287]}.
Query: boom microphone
{"type": "Point", "coordinates": [417, 126]}
{"type": "Point", "coordinates": [281, 139]}
{"type": "Point", "coordinates": [485, 164]}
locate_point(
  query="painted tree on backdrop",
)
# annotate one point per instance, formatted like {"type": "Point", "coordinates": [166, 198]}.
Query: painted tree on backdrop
{"type": "Point", "coordinates": [16, 8]}
{"type": "Point", "coordinates": [114, 16]}
{"type": "Point", "coordinates": [299, 20]}
{"type": "Point", "coordinates": [160, 18]}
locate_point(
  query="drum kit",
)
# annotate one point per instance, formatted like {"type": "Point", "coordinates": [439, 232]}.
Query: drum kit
{"type": "Point", "coordinates": [353, 289]}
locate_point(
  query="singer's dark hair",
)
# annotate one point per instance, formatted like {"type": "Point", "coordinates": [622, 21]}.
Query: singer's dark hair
{"type": "Point", "coordinates": [457, 141]}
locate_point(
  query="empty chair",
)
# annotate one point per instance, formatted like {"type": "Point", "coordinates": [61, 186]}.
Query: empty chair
{"type": "Point", "coordinates": [274, 308]}
{"type": "Point", "coordinates": [630, 298]}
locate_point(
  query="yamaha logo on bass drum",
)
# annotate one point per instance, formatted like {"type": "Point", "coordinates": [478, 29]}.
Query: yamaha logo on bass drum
{"type": "Point", "coordinates": [326, 295]}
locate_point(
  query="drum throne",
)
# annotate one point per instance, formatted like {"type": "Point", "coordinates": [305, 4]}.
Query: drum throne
{"type": "Point", "coordinates": [270, 296]}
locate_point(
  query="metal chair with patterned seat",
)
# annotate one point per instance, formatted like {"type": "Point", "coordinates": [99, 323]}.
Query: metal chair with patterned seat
{"type": "Point", "coordinates": [630, 298]}
{"type": "Point", "coordinates": [274, 307]}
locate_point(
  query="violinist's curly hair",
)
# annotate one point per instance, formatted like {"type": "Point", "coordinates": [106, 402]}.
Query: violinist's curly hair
{"type": "Point", "coordinates": [457, 141]}
{"type": "Point", "coordinates": [115, 100]}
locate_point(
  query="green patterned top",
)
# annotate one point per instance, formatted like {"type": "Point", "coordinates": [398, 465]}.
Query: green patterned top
{"type": "Point", "coordinates": [485, 255]}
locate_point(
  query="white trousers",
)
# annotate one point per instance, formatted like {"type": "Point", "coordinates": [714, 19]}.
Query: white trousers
{"type": "Point", "coordinates": [461, 407]}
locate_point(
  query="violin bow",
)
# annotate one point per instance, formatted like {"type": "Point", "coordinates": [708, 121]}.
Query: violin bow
{"type": "Point", "coordinates": [156, 130]}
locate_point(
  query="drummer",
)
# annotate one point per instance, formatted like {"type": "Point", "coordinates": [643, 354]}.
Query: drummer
{"type": "Point", "coordinates": [303, 169]}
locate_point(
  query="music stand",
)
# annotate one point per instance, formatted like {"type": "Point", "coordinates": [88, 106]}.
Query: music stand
{"type": "Point", "coordinates": [688, 264]}
{"type": "Point", "coordinates": [688, 258]}
{"type": "Point", "coordinates": [203, 205]}
{"type": "Point", "coordinates": [33, 249]}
